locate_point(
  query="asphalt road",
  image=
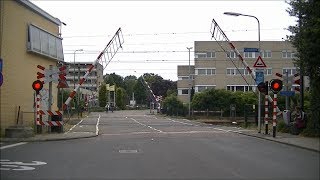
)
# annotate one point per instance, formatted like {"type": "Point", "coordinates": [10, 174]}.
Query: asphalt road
{"type": "Point", "coordinates": [135, 145]}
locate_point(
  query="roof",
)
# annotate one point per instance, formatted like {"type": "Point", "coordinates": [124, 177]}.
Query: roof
{"type": "Point", "coordinates": [39, 11]}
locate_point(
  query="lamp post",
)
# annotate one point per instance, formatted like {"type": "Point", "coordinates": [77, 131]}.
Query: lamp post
{"type": "Point", "coordinates": [74, 67]}
{"type": "Point", "coordinates": [259, 101]}
{"type": "Point", "coordinates": [74, 74]}
{"type": "Point", "coordinates": [189, 88]}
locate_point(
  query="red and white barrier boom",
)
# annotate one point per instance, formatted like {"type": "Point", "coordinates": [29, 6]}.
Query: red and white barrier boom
{"type": "Point", "coordinates": [110, 50]}
{"type": "Point", "coordinates": [227, 46]}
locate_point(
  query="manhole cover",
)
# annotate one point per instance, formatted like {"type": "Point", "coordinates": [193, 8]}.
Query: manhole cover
{"type": "Point", "coordinates": [128, 151]}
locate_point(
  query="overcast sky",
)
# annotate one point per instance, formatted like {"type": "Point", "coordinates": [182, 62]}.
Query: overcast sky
{"type": "Point", "coordinates": [154, 31]}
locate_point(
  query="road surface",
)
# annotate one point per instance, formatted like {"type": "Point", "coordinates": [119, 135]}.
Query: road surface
{"type": "Point", "coordinates": [137, 145]}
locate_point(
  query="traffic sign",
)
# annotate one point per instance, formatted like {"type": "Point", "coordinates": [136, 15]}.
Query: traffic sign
{"type": "Point", "coordinates": [287, 93]}
{"type": "Point", "coordinates": [259, 63]}
{"type": "Point", "coordinates": [259, 77]}
{"type": "Point", "coordinates": [251, 50]}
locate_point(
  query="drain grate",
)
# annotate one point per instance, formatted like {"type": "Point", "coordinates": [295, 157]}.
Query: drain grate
{"type": "Point", "coordinates": [128, 151]}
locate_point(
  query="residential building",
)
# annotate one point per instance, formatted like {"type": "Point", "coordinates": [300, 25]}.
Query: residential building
{"type": "Point", "coordinates": [29, 36]}
{"type": "Point", "coordinates": [79, 69]}
{"type": "Point", "coordinates": [215, 68]}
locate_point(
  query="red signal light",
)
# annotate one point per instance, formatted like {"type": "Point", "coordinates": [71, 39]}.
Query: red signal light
{"type": "Point", "coordinates": [37, 85]}
{"type": "Point", "coordinates": [276, 85]}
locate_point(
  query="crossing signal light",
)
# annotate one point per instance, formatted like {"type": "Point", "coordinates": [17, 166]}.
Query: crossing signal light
{"type": "Point", "coordinates": [37, 85]}
{"type": "Point", "coordinates": [263, 87]}
{"type": "Point", "coordinates": [276, 85]}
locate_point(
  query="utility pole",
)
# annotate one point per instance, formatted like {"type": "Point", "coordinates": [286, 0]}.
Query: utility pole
{"type": "Point", "coordinates": [189, 87]}
{"type": "Point", "coordinates": [78, 92]}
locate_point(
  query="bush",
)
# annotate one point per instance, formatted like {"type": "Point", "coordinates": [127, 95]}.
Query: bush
{"type": "Point", "coordinates": [282, 127]}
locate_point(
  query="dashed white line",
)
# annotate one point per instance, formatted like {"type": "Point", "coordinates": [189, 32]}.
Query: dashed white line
{"type": "Point", "coordinates": [182, 122]}
{"type": "Point", "coordinates": [146, 125]}
{"type": "Point", "coordinates": [97, 125]}
{"type": "Point", "coordinates": [13, 145]}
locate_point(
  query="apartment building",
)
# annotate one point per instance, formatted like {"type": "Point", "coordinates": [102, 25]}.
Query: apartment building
{"type": "Point", "coordinates": [29, 36]}
{"type": "Point", "coordinates": [78, 69]}
{"type": "Point", "coordinates": [215, 68]}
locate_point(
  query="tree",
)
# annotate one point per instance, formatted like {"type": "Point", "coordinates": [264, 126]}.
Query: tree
{"type": "Point", "coordinates": [129, 83]}
{"type": "Point", "coordinates": [173, 106]}
{"type": "Point", "coordinates": [306, 39]}
{"type": "Point", "coordinates": [120, 98]}
{"type": "Point", "coordinates": [103, 95]}
{"type": "Point", "coordinates": [140, 92]}
{"type": "Point", "coordinates": [114, 79]}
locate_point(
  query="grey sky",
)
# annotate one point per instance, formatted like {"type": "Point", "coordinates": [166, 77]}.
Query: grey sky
{"type": "Point", "coordinates": [155, 30]}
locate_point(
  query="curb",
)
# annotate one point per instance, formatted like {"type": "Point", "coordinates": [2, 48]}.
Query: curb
{"type": "Point", "coordinates": [280, 142]}
{"type": "Point", "coordinates": [45, 139]}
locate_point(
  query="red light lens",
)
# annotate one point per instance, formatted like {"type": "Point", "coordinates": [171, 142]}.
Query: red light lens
{"type": "Point", "coordinates": [276, 86]}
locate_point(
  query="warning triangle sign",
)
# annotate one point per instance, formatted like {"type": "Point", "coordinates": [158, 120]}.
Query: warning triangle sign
{"type": "Point", "coordinates": [259, 63]}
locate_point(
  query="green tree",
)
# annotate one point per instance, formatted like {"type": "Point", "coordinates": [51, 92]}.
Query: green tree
{"type": "Point", "coordinates": [129, 83]}
{"type": "Point", "coordinates": [140, 92]}
{"type": "Point", "coordinates": [173, 106]}
{"type": "Point", "coordinates": [114, 79]}
{"type": "Point", "coordinates": [120, 98]}
{"type": "Point", "coordinates": [103, 95]}
{"type": "Point", "coordinates": [306, 39]}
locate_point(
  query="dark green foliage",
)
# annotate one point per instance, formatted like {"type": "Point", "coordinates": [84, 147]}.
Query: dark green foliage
{"type": "Point", "coordinates": [216, 100]}
{"type": "Point", "coordinates": [102, 95]}
{"type": "Point", "coordinates": [120, 98]}
{"type": "Point", "coordinates": [172, 106]}
{"type": "Point", "coordinates": [306, 39]}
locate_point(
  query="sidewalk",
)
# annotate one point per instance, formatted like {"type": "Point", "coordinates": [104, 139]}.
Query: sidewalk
{"type": "Point", "coordinates": [309, 143]}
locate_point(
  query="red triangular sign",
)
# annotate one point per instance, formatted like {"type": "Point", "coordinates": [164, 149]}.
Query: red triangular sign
{"type": "Point", "coordinates": [259, 63]}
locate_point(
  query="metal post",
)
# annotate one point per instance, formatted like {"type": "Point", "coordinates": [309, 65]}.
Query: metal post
{"type": "Point", "coordinates": [274, 120]}
{"type": "Point", "coordinates": [78, 92]}
{"type": "Point", "coordinates": [259, 101]}
{"type": "Point", "coordinates": [266, 113]}
{"type": "Point", "coordinates": [287, 89]}
{"type": "Point", "coordinates": [189, 86]}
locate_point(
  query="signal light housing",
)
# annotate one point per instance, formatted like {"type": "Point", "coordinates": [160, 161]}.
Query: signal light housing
{"type": "Point", "coordinates": [276, 85]}
{"type": "Point", "coordinates": [37, 86]}
{"type": "Point", "coordinates": [263, 87]}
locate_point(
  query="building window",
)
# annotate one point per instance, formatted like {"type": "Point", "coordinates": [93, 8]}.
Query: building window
{"type": "Point", "coordinates": [204, 87]}
{"type": "Point", "coordinates": [266, 54]}
{"type": "Point", "coordinates": [183, 91]}
{"type": "Point", "coordinates": [231, 54]}
{"type": "Point", "coordinates": [243, 88]}
{"type": "Point", "coordinates": [288, 54]}
{"type": "Point", "coordinates": [205, 54]}
{"type": "Point", "coordinates": [211, 71]}
{"type": "Point", "coordinates": [236, 72]}
{"type": "Point", "coordinates": [268, 71]}
{"type": "Point", "coordinates": [249, 54]}
{"type": "Point", "coordinates": [291, 71]}
{"type": "Point", "coordinates": [44, 43]}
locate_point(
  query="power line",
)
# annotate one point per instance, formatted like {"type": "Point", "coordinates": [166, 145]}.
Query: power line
{"type": "Point", "coordinates": [168, 33]}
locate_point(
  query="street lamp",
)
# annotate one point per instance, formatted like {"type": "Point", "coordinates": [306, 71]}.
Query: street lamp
{"type": "Point", "coordinates": [189, 88]}
{"type": "Point", "coordinates": [74, 67]}
{"type": "Point", "coordinates": [239, 14]}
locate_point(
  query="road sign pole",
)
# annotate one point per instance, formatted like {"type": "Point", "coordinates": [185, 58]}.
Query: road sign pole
{"type": "Point", "coordinates": [287, 89]}
{"type": "Point", "coordinates": [266, 113]}
{"type": "Point", "coordinates": [274, 119]}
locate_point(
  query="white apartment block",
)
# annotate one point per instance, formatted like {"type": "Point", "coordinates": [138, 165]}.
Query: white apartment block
{"type": "Point", "coordinates": [215, 68]}
{"type": "Point", "coordinates": [77, 71]}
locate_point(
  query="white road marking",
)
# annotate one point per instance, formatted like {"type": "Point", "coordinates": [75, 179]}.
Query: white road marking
{"type": "Point", "coordinates": [12, 145]}
{"type": "Point", "coordinates": [128, 151]}
{"type": "Point", "coordinates": [74, 126]}
{"type": "Point", "coordinates": [146, 125]}
{"type": "Point", "coordinates": [19, 166]}
{"type": "Point", "coordinates": [173, 132]}
{"type": "Point", "coordinates": [97, 125]}
{"type": "Point", "coordinates": [181, 122]}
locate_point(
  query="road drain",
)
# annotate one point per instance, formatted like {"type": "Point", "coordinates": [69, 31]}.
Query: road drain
{"type": "Point", "coordinates": [128, 151]}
